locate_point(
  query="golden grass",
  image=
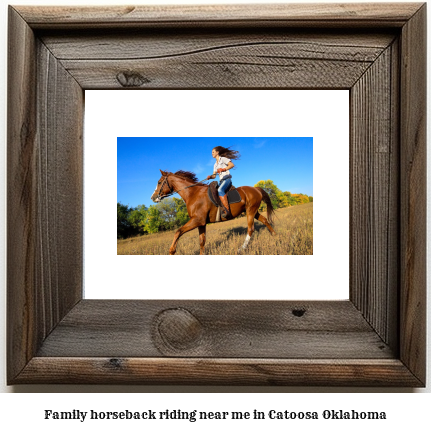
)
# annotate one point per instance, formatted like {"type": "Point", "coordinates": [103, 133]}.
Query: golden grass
{"type": "Point", "coordinates": [293, 225]}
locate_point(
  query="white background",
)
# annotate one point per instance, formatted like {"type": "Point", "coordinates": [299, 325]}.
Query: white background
{"type": "Point", "coordinates": [323, 115]}
{"type": "Point", "coordinates": [26, 410]}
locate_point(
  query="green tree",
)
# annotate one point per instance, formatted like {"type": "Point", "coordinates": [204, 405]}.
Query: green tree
{"type": "Point", "coordinates": [168, 213]}
{"type": "Point", "coordinates": [182, 216]}
{"type": "Point", "coordinates": [153, 220]}
{"type": "Point", "coordinates": [291, 201]}
{"type": "Point", "coordinates": [301, 198]}
{"type": "Point", "coordinates": [123, 226]}
{"type": "Point", "coordinates": [137, 218]}
{"type": "Point", "coordinates": [278, 199]}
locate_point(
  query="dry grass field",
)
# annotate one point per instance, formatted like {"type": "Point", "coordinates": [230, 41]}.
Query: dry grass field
{"type": "Point", "coordinates": [293, 225]}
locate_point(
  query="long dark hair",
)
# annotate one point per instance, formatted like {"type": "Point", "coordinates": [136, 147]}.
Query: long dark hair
{"type": "Point", "coordinates": [227, 152]}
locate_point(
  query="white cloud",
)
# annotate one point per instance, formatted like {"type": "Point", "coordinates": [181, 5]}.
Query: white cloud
{"type": "Point", "coordinates": [259, 144]}
{"type": "Point", "coordinates": [198, 169]}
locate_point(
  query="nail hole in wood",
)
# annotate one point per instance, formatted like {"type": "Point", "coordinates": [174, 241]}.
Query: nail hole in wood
{"type": "Point", "coordinates": [298, 312]}
{"type": "Point", "coordinates": [115, 363]}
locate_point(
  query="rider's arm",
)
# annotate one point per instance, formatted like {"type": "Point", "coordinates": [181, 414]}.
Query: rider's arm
{"type": "Point", "coordinates": [230, 165]}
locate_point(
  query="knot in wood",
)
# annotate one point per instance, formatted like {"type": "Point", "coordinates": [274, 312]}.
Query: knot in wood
{"type": "Point", "coordinates": [115, 363]}
{"type": "Point", "coordinates": [178, 329]}
{"type": "Point", "coordinates": [298, 312]}
{"type": "Point", "coordinates": [131, 79]}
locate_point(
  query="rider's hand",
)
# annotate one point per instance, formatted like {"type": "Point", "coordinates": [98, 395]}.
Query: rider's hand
{"type": "Point", "coordinates": [209, 177]}
{"type": "Point", "coordinates": [220, 170]}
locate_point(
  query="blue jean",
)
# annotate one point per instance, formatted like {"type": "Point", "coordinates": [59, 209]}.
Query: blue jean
{"type": "Point", "coordinates": [224, 186]}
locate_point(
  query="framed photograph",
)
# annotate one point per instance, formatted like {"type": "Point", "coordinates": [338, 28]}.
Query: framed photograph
{"type": "Point", "coordinates": [283, 151]}
{"type": "Point", "coordinates": [194, 197]}
{"type": "Point", "coordinates": [375, 337]}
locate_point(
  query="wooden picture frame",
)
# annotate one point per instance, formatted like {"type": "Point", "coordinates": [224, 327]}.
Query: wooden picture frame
{"type": "Point", "coordinates": [376, 338]}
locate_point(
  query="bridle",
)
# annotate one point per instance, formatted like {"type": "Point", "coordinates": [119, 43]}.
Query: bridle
{"type": "Point", "coordinates": [171, 190]}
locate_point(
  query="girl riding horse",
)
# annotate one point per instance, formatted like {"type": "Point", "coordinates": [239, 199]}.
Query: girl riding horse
{"type": "Point", "coordinates": [202, 211]}
{"type": "Point", "coordinates": [222, 167]}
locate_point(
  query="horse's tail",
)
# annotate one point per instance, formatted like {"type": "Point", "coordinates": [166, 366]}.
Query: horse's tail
{"type": "Point", "coordinates": [269, 208]}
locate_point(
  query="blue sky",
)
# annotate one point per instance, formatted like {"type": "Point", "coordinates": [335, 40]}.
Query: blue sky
{"type": "Point", "coordinates": [286, 161]}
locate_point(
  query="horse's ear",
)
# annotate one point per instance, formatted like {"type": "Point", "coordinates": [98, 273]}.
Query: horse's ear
{"type": "Point", "coordinates": [163, 173]}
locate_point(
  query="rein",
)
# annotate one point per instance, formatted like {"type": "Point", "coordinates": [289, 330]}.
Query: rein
{"type": "Point", "coordinates": [172, 192]}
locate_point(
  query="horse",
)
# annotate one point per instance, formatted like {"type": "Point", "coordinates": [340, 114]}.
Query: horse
{"type": "Point", "coordinates": [202, 211]}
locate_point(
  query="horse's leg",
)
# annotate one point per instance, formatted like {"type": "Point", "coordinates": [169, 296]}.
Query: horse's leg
{"type": "Point", "coordinates": [251, 211]}
{"type": "Point", "coordinates": [263, 219]}
{"type": "Point", "coordinates": [190, 225]}
{"type": "Point", "coordinates": [202, 238]}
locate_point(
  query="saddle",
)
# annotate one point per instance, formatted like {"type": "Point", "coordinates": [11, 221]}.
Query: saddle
{"type": "Point", "coordinates": [233, 195]}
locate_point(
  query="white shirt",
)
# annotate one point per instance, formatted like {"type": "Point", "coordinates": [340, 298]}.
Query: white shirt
{"type": "Point", "coordinates": [223, 162]}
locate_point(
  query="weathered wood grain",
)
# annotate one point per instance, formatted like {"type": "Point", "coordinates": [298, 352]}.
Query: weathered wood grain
{"type": "Point", "coordinates": [203, 72]}
{"type": "Point", "coordinates": [300, 15]}
{"type": "Point", "coordinates": [55, 337]}
{"type": "Point", "coordinates": [198, 371]}
{"type": "Point", "coordinates": [252, 66]}
{"type": "Point", "coordinates": [226, 329]}
{"type": "Point", "coordinates": [392, 300]}
{"type": "Point", "coordinates": [59, 181]}
{"type": "Point", "coordinates": [140, 44]}
{"type": "Point", "coordinates": [413, 194]}
{"type": "Point", "coordinates": [21, 194]}
{"type": "Point", "coordinates": [45, 106]}
{"type": "Point", "coordinates": [218, 60]}
{"type": "Point", "coordinates": [374, 194]}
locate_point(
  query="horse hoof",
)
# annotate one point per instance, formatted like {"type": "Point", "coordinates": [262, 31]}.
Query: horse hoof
{"type": "Point", "coordinates": [171, 252]}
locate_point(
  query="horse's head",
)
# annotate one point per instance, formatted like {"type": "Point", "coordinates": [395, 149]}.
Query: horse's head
{"type": "Point", "coordinates": [163, 188]}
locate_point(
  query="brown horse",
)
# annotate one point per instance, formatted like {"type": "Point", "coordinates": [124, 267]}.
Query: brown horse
{"type": "Point", "coordinates": [202, 211]}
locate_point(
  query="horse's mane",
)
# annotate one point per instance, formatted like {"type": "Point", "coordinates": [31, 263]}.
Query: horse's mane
{"type": "Point", "coordinates": [187, 175]}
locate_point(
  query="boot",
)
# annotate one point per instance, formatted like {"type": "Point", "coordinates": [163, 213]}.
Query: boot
{"type": "Point", "coordinates": [225, 209]}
